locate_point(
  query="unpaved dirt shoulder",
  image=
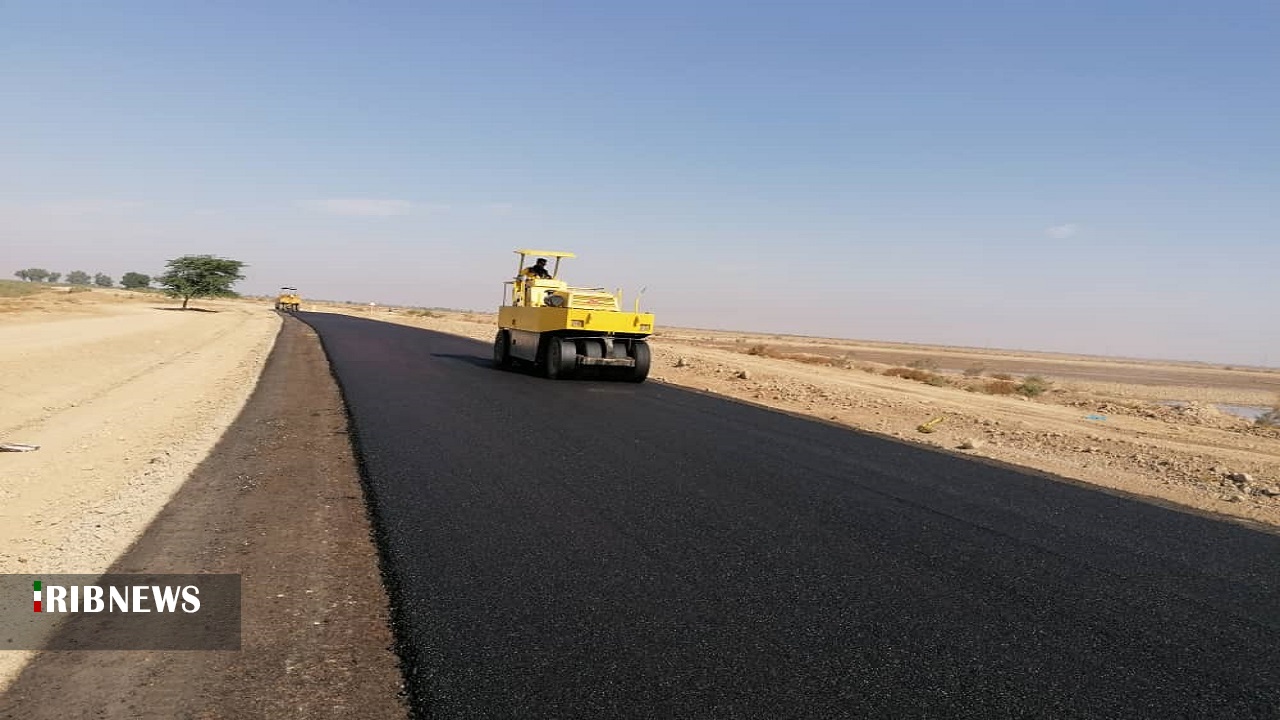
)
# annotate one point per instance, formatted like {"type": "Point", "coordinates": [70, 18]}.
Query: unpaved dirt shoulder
{"type": "Point", "coordinates": [124, 400]}
{"type": "Point", "coordinates": [123, 406]}
{"type": "Point", "coordinates": [279, 501]}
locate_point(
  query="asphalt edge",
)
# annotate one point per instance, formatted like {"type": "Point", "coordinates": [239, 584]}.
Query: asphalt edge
{"type": "Point", "coordinates": [410, 662]}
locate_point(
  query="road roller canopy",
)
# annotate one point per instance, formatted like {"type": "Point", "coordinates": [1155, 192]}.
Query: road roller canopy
{"type": "Point", "coordinates": [557, 254]}
{"type": "Point", "coordinates": [547, 253]}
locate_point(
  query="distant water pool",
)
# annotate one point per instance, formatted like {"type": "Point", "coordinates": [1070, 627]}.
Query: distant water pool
{"type": "Point", "coordinates": [1248, 412]}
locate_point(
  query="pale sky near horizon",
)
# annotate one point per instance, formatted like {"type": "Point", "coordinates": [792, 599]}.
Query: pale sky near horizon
{"type": "Point", "coordinates": [1097, 177]}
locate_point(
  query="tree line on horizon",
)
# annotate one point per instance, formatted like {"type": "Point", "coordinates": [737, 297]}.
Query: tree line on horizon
{"type": "Point", "coordinates": [130, 280]}
{"type": "Point", "coordinates": [187, 277]}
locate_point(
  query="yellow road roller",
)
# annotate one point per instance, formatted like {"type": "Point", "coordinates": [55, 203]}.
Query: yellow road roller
{"type": "Point", "coordinates": [566, 331]}
{"type": "Point", "coordinates": [288, 300]}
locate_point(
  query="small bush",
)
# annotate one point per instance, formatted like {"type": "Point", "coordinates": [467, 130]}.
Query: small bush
{"type": "Point", "coordinates": [975, 370]}
{"type": "Point", "coordinates": [1270, 418]}
{"type": "Point", "coordinates": [1000, 387]}
{"type": "Point", "coordinates": [1002, 376]}
{"type": "Point", "coordinates": [1034, 386]}
{"type": "Point", "coordinates": [758, 350]}
{"type": "Point", "coordinates": [910, 374]}
{"type": "Point", "coordinates": [924, 364]}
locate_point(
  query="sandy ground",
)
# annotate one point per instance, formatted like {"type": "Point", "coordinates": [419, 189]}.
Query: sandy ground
{"type": "Point", "coordinates": [1100, 422]}
{"type": "Point", "coordinates": [125, 397]}
{"type": "Point", "coordinates": [279, 502]}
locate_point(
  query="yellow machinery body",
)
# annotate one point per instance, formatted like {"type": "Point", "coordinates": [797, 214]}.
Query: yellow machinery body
{"type": "Point", "coordinates": [567, 331]}
{"type": "Point", "coordinates": [288, 300]}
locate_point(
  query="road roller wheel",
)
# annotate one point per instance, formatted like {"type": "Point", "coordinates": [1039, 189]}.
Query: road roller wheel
{"type": "Point", "coordinates": [502, 350]}
{"type": "Point", "coordinates": [559, 358]}
{"type": "Point", "coordinates": [592, 348]}
{"type": "Point", "coordinates": [639, 352]}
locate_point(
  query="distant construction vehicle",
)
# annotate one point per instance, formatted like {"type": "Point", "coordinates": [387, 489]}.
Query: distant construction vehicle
{"type": "Point", "coordinates": [288, 300]}
{"type": "Point", "coordinates": [565, 331]}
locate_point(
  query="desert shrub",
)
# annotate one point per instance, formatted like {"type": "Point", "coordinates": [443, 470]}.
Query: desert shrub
{"type": "Point", "coordinates": [1002, 376]}
{"type": "Point", "coordinates": [1033, 386]}
{"type": "Point", "coordinates": [758, 350]}
{"type": "Point", "coordinates": [975, 370]}
{"type": "Point", "coordinates": [1000, 387]}
{"type": "Point", "coordinates": [923, 364]}
{"type": "Point", "coordinates": [918, 375]}
{"type": "Point", "coordinates": [1270, 418]}
{"type": "Point", "coordinates": [909, 373]}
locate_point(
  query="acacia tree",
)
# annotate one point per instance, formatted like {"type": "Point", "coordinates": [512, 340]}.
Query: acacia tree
{"type": "Point", "coordinates": [102, 280]}
{"type": "Point", "coordinates": [53, 277]}
{"type": "Point", "coordinates": [33, 274]}
{"type": "Point", "coordinates": [135, 280]}
{"type": "Point", "coordinates": [78, 277]}
{"type": "Point", "coordinates": [200, 276]}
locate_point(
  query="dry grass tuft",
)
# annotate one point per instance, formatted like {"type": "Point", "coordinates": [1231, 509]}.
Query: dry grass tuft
{"type": "Point", "coordinates": [1270, 418]}
{"type": "Point", "coordinates": [924, 376]}
{"type": "Point", "coordinates": [1034, 386]}
{"type": "Point", "coordinates": [1000, 387]}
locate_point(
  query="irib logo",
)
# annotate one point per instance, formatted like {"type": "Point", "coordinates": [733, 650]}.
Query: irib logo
{"type": "Point", "coordinates": [134, 599]}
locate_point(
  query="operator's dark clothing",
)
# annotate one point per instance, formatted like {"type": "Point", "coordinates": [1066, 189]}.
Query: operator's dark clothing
{"type": "Point", "coordinates": [537, 271]}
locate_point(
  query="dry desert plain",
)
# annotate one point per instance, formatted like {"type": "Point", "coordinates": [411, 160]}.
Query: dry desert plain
{"type": "Point", "coordinates": [126, 396]}
{"type": "Point", "coordinates": [212, 441]}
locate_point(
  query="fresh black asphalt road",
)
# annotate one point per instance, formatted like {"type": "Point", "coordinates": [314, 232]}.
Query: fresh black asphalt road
{"type": "Point", "coordinates": [582, 549]}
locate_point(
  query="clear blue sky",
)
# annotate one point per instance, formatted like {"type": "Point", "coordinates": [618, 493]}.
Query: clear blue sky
{"type": "Point", "coordinates": [1082, 176]}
